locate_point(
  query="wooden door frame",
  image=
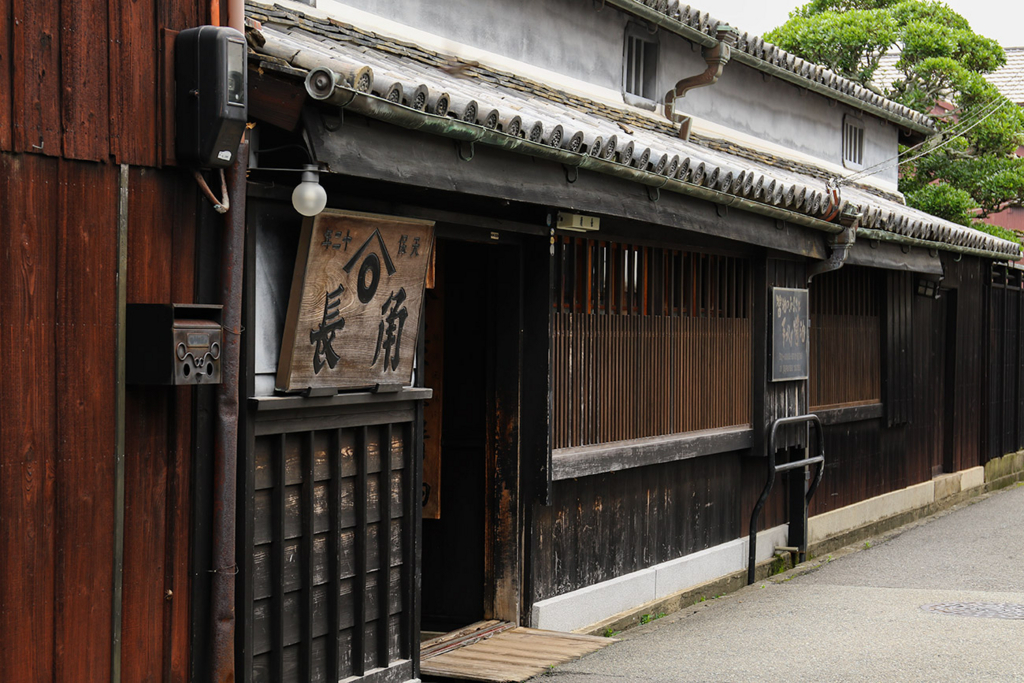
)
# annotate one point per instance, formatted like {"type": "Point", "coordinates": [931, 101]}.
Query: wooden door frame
{"type": "Point", "coordinates": [503, 566]}
{"type": "Point", "coordinates": [949, 391]}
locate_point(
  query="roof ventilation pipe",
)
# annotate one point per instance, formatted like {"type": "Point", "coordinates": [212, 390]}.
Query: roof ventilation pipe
{"type": "Point", "coordinates": [716, 58]}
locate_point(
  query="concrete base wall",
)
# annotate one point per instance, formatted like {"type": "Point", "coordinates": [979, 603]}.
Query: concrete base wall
{"type": "Point", "coordinates": [620, 602]}
{"type": "Point", "coordinates": [580, 608]}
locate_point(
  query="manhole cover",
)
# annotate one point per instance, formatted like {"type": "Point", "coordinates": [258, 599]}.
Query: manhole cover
{"type": "Point", "coordinates": [991, 610]}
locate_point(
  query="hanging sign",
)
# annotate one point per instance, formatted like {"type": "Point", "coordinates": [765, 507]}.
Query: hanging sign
{"type": "Point", "coordinates": [357, 294]}
{"type": "Point", "coordinates": [790, 345]}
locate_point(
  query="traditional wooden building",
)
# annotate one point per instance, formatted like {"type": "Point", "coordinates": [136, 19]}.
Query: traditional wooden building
{"type": "Point", "coordinates": [526, 367]}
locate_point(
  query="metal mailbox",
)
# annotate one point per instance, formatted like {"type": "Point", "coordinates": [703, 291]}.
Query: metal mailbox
{"type": "Point", "coordinates": [173, 344]}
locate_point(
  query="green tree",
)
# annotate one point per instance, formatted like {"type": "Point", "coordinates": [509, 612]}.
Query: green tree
{"type": "Point", "coordinates": [940, 58]}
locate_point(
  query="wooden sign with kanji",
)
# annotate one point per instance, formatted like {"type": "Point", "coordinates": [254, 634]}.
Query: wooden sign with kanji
{"type": "Point", "coordinates": [356, 298]}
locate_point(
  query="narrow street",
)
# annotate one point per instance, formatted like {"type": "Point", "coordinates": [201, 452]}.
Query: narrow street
{"type": "Point", "coordinates": [862, 616]}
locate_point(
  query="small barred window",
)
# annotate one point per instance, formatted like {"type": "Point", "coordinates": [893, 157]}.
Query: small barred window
{"type": "Point", "coordinates": [853, 143]}
{"type": "Point", "coordinates": [639, 64]}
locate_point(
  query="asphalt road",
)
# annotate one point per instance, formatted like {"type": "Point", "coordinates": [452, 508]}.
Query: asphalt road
{"type": "Point", "coordinates": [858, 617]}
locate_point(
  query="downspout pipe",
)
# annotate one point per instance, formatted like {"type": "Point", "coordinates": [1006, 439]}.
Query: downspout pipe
{"type": "Point", "coordinates": [839, 244]}
{"type": "Point", "coordinates": [716, 57]}
{"type": "Point", "coordinates": [663, 20]}
{"type": "Point", "coordinates": [840, 248]}
{"type": "Point", "coordinates": [225, 447]}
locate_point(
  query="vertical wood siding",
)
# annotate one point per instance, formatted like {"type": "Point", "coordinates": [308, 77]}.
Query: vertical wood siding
{"type": "Point", "coordinates": [1006, 355]}
{"type": "Point", "coordinates": [161, 239]}
{"type": "Point", "coordinates": [82, 79]}
{"type": "Point", "coordinates": [75, 78]}
{"type": "Point", "coordinates": [28, 420]}
{"type": "Point", "coordinates": [57, 338]}
{"type": "Point", "coordinates": [6, 55]}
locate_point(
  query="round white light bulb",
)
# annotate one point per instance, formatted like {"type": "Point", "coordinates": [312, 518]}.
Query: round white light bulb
{"type": "Point", "coordinates": [309, 197]}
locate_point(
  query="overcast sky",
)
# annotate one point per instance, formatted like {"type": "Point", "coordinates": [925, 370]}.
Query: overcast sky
{"type": "Point", "coordinates": [999, 19]}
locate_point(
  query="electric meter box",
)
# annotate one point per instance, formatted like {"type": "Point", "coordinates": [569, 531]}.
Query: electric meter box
{"type": "Point", "coordinates": [210, 95]}
{"type": "Point", "coordinates": [169, 344]}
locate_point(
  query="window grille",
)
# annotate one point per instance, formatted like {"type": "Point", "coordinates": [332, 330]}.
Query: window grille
{"type": "Point", "coordinates": [845, 338]}
{"type": "Point", "coordinates": [853, 143]}
{"type": "Point", "coordinates": [648, 341]}
{"type": "Point", "coordinates": [640, 64]}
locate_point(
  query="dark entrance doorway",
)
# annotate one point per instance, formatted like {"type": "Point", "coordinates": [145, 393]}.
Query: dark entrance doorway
{"type": "Point", "coordinates": [472, 333]}
{"type": "Point", "coordinates": [931, 431]}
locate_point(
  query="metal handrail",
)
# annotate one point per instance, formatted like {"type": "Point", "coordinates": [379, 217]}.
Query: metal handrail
{"type": "Point", "coordinates": [818, 459]}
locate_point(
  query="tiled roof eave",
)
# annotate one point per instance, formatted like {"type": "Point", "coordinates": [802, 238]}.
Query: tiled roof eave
{"type": "Point", "coordinates": [754, 52]}
{"type": "Point", "coordinates": [382, 109]}
{"type": "Point", "coordinates": [586, 132]}
{"type": "Point", "coordinates": [397, 114]}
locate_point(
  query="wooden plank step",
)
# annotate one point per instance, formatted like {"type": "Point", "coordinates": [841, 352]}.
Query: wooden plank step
{"type": "Point", "coordinates": [465, 638]}
{"type": "Point", "coordinates": [504, 653]}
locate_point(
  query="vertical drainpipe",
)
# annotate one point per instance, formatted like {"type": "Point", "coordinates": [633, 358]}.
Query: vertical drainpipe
{"type": "Point", "coordinates": [121, 296]}
{"type": "Point", "coordinates": [225, 467]}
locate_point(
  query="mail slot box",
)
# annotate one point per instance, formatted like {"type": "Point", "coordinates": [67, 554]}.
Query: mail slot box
{"type": "Point", "coordinates": [173, 344]}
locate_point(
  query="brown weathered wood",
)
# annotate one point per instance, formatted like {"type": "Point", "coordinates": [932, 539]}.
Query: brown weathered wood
{"type": "Point", "coordinates": [6, 75]}
{"type": "Point", "coordinates": [582, 461]}
{"type": "Point", "coordinates": [292, 623]}
{"type": "Point", "coordinates": [85, 79]}
{"type": "Point", "coordinates": [503, 532]}
{"type": "Point", "coordinates": [28, 421]}
{"type": "Point", "coordinates": [275, 100]}
{"type": "Point", "coordinates": [36, 87]}
{"type": "Point", "coordinates": [134, 78]}
{"type": "Point", "coordinates": [512, 655]}
{"type": "Point", "coordinates": [356, 299]}
{"type": "Point", "coordinates": [646, 371]}
{"type": "Point", "coordinates": [85, 424]}
{"type": "Point", "coordinates": [433, 369]}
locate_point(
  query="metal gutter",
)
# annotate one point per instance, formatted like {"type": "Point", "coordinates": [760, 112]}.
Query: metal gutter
{"type": "Point", "coordinates": [653, 16]}
{"type": "Point", "coordinates": [883, 236]}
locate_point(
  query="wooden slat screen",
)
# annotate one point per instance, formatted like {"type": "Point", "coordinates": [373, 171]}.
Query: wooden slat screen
{"type": "Point", "coordinates": [331, 553]}
{"type": "Point", "coordinates": [845, 339]}
{"type": "Point", "coordinates": [648, 341]}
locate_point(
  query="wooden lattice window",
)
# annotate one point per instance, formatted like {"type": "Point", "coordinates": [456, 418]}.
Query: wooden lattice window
{"type": "Point", "coordinates": [648, 342]}
{"type": "Point", "coordinates": [845, 338]}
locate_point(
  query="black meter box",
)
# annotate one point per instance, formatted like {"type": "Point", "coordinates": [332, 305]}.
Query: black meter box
{"type": "Point", "coordinates": [210, 95]}
{"type": "Point", "coordinates": [173, 344]}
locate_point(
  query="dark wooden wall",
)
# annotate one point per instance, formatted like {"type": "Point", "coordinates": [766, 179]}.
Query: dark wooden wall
{"type": "Point", "coordinates": [608, 525]}
{"type": "Point", "coordinates": [81, 88]}
{"type": "Point", "coordinates": [1005, 423]}
{"type": "Point", "coordinates": [612, 524]}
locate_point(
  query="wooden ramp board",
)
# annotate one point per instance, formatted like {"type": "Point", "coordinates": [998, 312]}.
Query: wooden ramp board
{"type": "Point", "coordinates": [500, 652]}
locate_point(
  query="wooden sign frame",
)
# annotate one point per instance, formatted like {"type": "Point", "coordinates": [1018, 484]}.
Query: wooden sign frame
{"type": "Point", "coordinates": [356, 299]}
{"type": "Point", "coordinates": [790, 334]}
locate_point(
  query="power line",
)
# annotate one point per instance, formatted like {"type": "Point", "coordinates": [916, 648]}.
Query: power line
{"type": "Point", "coordinates": [957, 131]}
{"type": "Point", "coordinates": [962, 127]}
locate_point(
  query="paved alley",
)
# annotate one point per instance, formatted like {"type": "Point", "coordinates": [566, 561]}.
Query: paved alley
{"type": "Point", "coordinates": [861, 617]}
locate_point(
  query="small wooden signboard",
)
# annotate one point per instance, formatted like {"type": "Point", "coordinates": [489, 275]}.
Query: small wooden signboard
{"type": "Point", "coordinates": [356, 299]}
{"type": "Point", "coordinates": [790, 338]}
